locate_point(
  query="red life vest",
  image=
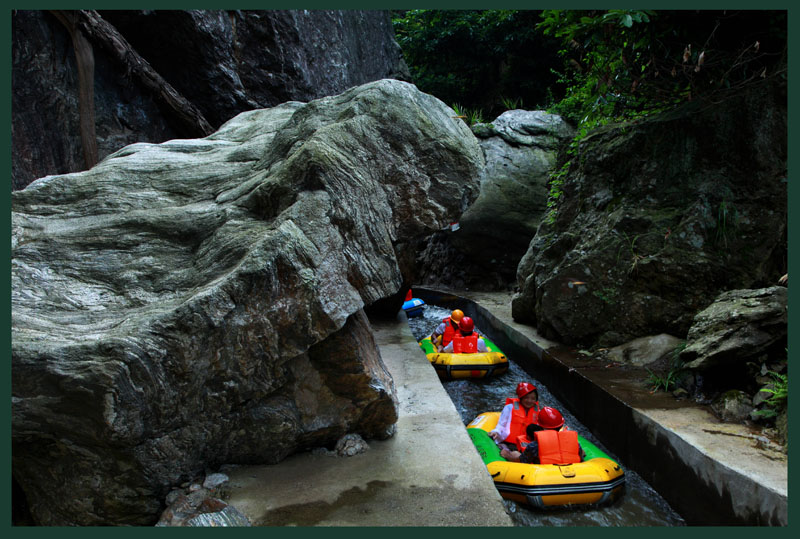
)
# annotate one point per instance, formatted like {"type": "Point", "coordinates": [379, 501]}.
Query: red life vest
{"type": "Point", "coordinates": [558, 447]}
{"type": "Point", "coordinates": [520, 420]}
{"type": "Point", "coordinates": [465, 344]}
{"type": "Point", "coordinates": [449, 331]}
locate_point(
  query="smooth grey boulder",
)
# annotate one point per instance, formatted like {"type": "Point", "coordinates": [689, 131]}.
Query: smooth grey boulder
{"type": "Point", "coordinates": [647, 350]}
{"type": "Point", "coordinates": [199, 302]}
{"type": "Point", "coordinates": [520, 148]}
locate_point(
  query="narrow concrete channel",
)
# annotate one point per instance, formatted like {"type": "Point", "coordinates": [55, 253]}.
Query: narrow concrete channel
{"type": "Point", "coordinates": [710, 472]}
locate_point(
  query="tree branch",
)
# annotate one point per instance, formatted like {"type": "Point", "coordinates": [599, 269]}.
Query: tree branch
{"type": "Point", "coordinates": [105, 35]}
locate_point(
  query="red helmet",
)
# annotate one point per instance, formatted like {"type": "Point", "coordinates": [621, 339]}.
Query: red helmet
{"type": "Point", "coordinates": [466, 325]}
{"type": "Point", "coordinates": [523, 388]}
{"type": "Point", "coordinates": [550, 418]}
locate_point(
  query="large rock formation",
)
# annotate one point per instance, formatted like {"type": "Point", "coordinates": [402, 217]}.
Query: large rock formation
{"type": "Point", "coordinates": [657, 218]}
{"type": "Point", "coordinates": [520, 148]}
{"type": "Point", "coordinates": [200, 301]}
{"type": "Point", "coordinates": [221, 62]}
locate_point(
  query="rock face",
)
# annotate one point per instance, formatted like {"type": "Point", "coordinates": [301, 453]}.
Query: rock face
{"type": "Point", "coordinates": [200, 302]}
{"type": "Point", "coordinates": [223, 62]}
{"type": "Point", "coordinates": [657, 218]}
{"type": "Point", "coordinates": [520, 148]}
{"type": "Point", "coordinates": [738, 326]}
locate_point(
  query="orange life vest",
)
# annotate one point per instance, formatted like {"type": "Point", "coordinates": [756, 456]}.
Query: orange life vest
{"type": "Point", "coordinates": [465, 344]}
{"type": "Point", "coordinates": [449, 331]}
{"type": "Point", "coordinates": [558, 447]}
{"type": "Point", "coordinates": [520, 419]}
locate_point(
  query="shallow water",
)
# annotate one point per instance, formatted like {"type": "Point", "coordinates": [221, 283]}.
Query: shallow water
{"type": "Point", "coordinates": [640, 505]}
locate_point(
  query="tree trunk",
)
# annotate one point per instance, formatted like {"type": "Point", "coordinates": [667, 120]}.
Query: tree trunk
{"type": "Point", "coordinates": [189, 118]}
{"type": "Point", "coordinates": [84, 56]}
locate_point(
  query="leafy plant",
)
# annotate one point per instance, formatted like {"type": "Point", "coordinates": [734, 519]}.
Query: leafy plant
{"type": "Point", "coordinates": [470, 116]}
{"type": "Point", "coordinates": [555, 192]}
{"type": "Point", "coordinates": [511, 103]}
{"type": "Point", "coordinates": [671, 377]}
{"type": "Point", "coordinates": [607, 294]}
{"type": "Point", "coordinates": [658, 382]}
{"type": "Point", "coordinates": [779, 397]}
{"type": "Point", "coordinates": [474, 116]}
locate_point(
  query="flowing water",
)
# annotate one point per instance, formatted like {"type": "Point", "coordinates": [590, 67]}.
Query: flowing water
{"type": "Point", "coordinates": [640, 505]}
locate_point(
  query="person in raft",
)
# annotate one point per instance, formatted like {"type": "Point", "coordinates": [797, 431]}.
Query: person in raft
{"type": "Point", "coordinates": [517, 414]}
{"type": "Point", "coordinates": [466, 340]}
{"type": "Point", "coordinates": [550, 442]}
{"type": "Point", "coordinates": [445, 331]}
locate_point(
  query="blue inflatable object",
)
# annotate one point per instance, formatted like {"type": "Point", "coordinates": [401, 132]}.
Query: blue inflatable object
{"type": "Point", "coordinates": [413, 307]}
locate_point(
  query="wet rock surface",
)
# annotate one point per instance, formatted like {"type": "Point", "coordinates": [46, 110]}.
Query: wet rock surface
{"type": "Point", "coordinates": [201, 301]}
{"type": "Point", "coordinates": [201, 504]}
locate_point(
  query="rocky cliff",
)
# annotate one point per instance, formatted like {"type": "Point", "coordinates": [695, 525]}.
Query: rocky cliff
{"type": "Point", "coordinates": [164, 74]}
{"type": "Point", "coordinates": [659, 217]}
{"type": "Point", "coordinates": [200, 301]}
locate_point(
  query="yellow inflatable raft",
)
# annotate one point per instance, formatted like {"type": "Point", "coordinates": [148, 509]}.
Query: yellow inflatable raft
{"type": "Point", "coordinates": [596, 480]}
{"type": "Point", "coordinates": [452, 366]}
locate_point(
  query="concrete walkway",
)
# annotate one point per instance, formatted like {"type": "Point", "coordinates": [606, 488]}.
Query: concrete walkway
{"type": "Point", "coordinates": [427, 474]}
{"type": "Point", "coordinates": [711, 472]}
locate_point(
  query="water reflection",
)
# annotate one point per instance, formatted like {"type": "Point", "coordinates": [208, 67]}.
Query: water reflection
{"type": "Point", "coordinates": [639, 506]}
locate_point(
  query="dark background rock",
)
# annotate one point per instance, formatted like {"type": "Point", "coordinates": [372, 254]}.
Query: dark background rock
{"type": "Point", "coordinates": [224, 62]}
{"type": "Point", "coordinates": [658, 218]}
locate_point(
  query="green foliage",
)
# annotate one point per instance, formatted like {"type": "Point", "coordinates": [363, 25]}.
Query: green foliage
{"type": "Point", "coordinates": [471, 116]}
{"type": "Point", "coordinates": [779, 398]}
{"type": "Point", "coordinates": [607, 294]}
{"type": "Point", "coordinates": [555, 193]}
{"type": "Point", "coordinates": [664, 383]}
{"type": "Point", "coordinates": [671, 377]}
{"type": "Point", "coordinates": [479, 57]}
{"type": "Point", "coordinates": [592, 67]}
{"type": "Point", "coordinates": [511, 104]}
{"type": "Point", "coordinates": [622, 64]}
